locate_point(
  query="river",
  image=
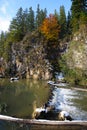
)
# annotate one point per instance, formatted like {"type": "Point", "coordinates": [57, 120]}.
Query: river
{"type": "Point", "coordinates": [72, 101]}
{"type": "Point", "coordinates": [19, 99]}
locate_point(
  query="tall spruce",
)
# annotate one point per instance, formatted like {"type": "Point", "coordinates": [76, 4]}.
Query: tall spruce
{"type": "Point", "coordinates": [40, 16]}
{"type": "Point", "coordinates": [21, 22]}
{"type": "Point", "coordinates": [2, 40]}
{"type": "Point", "coordinates": [25, 17]}
{"type": "Point", "coordinates": [17, 26]}
{"type": "Point", "coordinates": [62, 21]}
{"type": "Point", "coordinates": [69, 27]}
{"type": "Point", "coordinates": [30, 20]}
{"type": "Point", "coordinates": [79, 11]}
{"type": "Point", "coordinates": [56, 14]}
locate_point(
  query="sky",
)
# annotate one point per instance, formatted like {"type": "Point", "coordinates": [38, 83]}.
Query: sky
{"type": "Point", "coordinates": [9, 8]}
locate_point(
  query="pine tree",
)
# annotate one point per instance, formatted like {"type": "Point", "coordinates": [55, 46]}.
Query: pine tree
{"type": "Point", "coordinates": [2, 40]}
{"type": "Point", "coordinates": [21, 22]}
{"type": "Point", "coordinates": [62, 21]}
{"type": "Point", "coordinates": [56, 14]}
{"type": "Point", "coordinates": [7, 54]}
{"type": "Point", "coordinates": [40, 16]}
{"type": "Point", "coordinates": [30, 20]}
{"type": "Point", "coordinates": [78, 10]}
{"type": "Point", "coordinates": [17, 26]}
{"type": "Point", "coordinates": [69, 27]}
{"type": "Point", "coordinates": [25, 15]}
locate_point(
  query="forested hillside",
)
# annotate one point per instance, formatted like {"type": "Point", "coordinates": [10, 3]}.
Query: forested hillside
{"type": "Point", "coordinates": [38, 44]}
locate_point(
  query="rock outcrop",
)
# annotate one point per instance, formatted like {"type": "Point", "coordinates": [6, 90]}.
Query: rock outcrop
{"type": "Point", "coordinates": [76, 60]}
{"type": "Point", "coordinates": [28, 59]}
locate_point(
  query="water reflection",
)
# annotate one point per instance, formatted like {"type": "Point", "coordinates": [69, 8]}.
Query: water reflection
{"type": "Point", "coordinates": [19, 96]}
{"type": "Point", "coordinates": [24, 96]}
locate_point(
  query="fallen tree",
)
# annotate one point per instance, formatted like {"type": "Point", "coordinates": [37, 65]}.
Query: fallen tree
{"type": "Point", "coordinates": [43, 122]}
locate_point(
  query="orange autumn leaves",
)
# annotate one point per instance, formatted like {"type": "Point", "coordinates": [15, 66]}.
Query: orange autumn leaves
{"type": "Point", "coordinates": [50, 28]}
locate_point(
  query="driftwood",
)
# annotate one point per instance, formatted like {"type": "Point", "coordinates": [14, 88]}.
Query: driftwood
{"type": "Point", "coordinates": [79, 89]}
{"type": "Point", "coordinates": [65, 84]}
{"type": "Point", "coordinates": [57, 84]}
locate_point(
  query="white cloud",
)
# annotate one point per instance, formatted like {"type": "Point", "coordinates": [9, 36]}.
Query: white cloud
{"type": "Point", "coordinates": [4, 18]}
{"type": "Point", "coordinates": [3, 7]}
{"type": "Point", "coordinates": [4, 24]}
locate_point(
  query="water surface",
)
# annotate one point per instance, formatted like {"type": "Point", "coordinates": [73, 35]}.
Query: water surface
{"type": "Point", "coordinates": [23, 96]}
{"type": "Point", "coordinates": [72, 101]}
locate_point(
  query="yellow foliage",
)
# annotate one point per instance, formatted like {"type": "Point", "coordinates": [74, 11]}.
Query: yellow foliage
{"type": "Point", "coordinates": [50, 27]}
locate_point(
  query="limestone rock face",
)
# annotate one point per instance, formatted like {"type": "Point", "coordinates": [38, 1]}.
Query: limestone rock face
{"type": "Point", "coordinates": [29, 60]}
{"type": "Point", "coordinates": [77, 56]}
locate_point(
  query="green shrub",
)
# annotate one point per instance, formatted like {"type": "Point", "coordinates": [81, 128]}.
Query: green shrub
{"type": "Point", "coordinates": [73, 76]}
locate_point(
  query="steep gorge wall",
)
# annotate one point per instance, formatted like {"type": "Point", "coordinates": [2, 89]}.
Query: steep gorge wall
{"type": "Point", "coordinates": [28, 59]}
{"type": "Point", "coordinates": [75, 59]}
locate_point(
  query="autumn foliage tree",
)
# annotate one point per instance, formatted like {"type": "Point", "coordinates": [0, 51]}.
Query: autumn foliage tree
{"type": "Point", "coordinates": [50, 28]}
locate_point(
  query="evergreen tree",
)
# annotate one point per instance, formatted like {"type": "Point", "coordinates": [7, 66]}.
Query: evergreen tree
{"type": "Point", "coordinates": [20, 17]}
{"type": "Point", "coordinates": [17, 26]}
{"type": "Point", "coordinates": [30, 20]}
{"type": "Point", "coordinates": [25, 16]}
{"type": "Point", "coordinates": [56, 14]}
{"type": "Point", "coordinates": [78, 9]}
{"type": "Point", "coordinates": [40, 16]}
{"type": "Point", "coordinates": [7, 54]}
{"type": "Point", "coordinates": [43, 15]}
{"type": "Point", "coordinates": [2, 40]}
{"type": "Point", "coordinates": [69, 27]}
{"type": "Point", "coordinates": [62, 21]}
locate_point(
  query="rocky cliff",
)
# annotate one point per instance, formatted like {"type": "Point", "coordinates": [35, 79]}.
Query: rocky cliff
{"type": "Point", "coordinates": [75, 59]}
{"type": "Point", "coordinates": [28, 59]}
